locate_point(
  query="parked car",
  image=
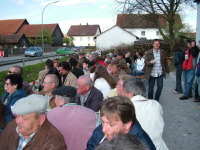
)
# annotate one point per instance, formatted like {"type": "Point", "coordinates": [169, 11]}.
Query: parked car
{"type": "Point", "coordinates": [77, 48]}
{"type": "Point", "coordinates": [33, 51]}
{"type": "Point", "coordinates": [64, 50]}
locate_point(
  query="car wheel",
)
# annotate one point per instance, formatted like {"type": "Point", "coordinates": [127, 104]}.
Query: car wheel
{"type": "Point", "coordinates": [35, 55]}
{"type": "Point", "coordinates": [25, 56]}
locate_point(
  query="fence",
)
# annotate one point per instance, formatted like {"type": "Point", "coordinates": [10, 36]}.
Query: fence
{"type": "Point", "coordinates": [19, 51]}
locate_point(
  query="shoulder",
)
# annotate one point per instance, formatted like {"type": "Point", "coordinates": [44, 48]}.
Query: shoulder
{"type": "Point", "coordinates": [20, 92]}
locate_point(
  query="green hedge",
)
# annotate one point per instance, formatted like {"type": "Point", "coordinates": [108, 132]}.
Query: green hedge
{"type": "Point", "coordinates": [30, 74]}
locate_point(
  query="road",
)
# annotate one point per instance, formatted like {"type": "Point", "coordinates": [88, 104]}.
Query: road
{"type": "Point", "coordinates": [182, 119]}
{"type": "Point", "coordinates": [7, 67]}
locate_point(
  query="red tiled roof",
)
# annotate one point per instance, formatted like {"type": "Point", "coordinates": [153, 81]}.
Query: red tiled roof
{"type": "Point", "coordinates": [36, 29]}
{"type": "Point", "coordinates": [10, 38]}
{"type": "Point", "coordinates": [83, 30]}
{"type": "Point", "coordinates": [11, 26]}
{"type": "Point", "coordinates": [138, 21]}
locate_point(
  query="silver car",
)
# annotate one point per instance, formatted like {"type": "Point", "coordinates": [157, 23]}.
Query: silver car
{"type": "Point", "coordinates": [33, 51]}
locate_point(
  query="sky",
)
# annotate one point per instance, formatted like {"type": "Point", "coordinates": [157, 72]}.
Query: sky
{"type": "Point", "coordinates": [71, 12]}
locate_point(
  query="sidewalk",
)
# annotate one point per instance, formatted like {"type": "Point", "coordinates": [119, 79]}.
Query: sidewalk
{"type": "Point", "coordinates": [182, 118]}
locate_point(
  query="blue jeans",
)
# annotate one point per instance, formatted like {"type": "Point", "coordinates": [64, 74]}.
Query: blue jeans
{"type": "Point", "coordinates": [137, 73]}
{"type": "Point", "coordinates": [151, 87]}
{"type": "Point", "coordinates": [188, 81]}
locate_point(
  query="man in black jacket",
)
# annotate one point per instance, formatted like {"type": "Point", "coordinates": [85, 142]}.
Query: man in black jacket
{"type": "Point", "coordinates": [87, 94]}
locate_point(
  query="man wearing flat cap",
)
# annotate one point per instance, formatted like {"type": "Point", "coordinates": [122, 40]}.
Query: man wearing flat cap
{"type": "Point", "coordinates": [31, 130]}
{"type": "Point", "coordinates": [75, 122]}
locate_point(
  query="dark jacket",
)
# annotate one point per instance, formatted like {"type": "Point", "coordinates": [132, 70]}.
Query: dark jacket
{"type": "Point", "coordinates": [77, 71]}
{"type": "Point", "coordinates": [46, 138]}
{"type": "Point", "coordinates": [136, 131]}
{"type": "Point", "coordinates": [20, 93]}
{"type": "Point", "coordinates": [178, 59]}
{"type": "Point", "coordinates": [93, 101]}
{"type": "Point", "coordinates": [149, 66]}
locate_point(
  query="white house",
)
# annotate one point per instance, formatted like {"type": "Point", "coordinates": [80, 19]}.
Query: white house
{"type": "Point", "coordinates": [114, 37]}
{"type": "Point", "coordinates": [137, 25]}
{"type": "Point", "coordinates": [84, 34]}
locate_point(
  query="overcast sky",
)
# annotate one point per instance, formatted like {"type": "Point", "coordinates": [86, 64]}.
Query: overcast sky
{"type": "Point", "coordinates": [70, 12]}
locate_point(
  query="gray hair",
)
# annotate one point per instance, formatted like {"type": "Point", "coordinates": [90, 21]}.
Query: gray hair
{"type": "Point", "coordinates": [53, 79]}
{"type": "Point", "coordinates": [67, 99]}
{"type": "Point", "coordinates": [18, 70]}
{"type": "Point", "coordinates": [87, 80]}
{"type": "Point", "coordinates": [134, 86]}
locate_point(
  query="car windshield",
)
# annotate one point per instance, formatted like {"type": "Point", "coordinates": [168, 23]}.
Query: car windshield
{"type": "Point", "coordinates": [31, 49]}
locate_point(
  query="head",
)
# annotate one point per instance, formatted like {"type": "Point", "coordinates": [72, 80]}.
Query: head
{"type": "Point", "coordinates": [188, 42]}
{"type": "Point", "coordinates": [108, 66]}
{"type": "Point", "coordinates": [64, 95]}
{"type": "Point", "coordinates": [177, 47]}
{"type": "Point", "coordinates": [85, 64]}
{"type": "Point", "coordinates": [55, 72]}
{"type": "Point", "coordinates": [64, 68]}
{"type": "Point", "coordinates": [127, 54]}
{"type": "Point", "coordinates": [120, 55]}
{"type": "Point", "coordinates": [56, 62]}
{"type": "Point", "coordinates": [50, 83]}
{"type": "Point", "coordinates": [156, 44]}
{"type": "Point", "coordinates": [122, 142]}
{"type": "Point", "coordinates": [90, 57]}
{"type": "Point", "coordinates": [122, 78]}
{"type": "Point", "coordinates": [115, 67]}
{"type": "Point", "coordinates": [140, 55]}
{"type": "Point", "coordinates": [13, 82]}
{"type": "Point", "coordinates": [16, 70]}
{"type": "Point", "coordinates": [73, 62]}
{"type": "Point", "coordinates": [133, 87]}
{"type": "Point", "coordinates": [49, 63]}
{"type": "Point", "coordinates": [193, 43]}
{"type": "Point", "coordinates": [118, 116]}
{"type": "Point", "coordinates": [30, 114]}
{"type": "Point", "coordinates": [84, 84]}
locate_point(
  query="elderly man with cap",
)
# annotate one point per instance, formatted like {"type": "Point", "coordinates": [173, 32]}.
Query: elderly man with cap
{"type": "Point", "coordinates": [75, 122]}
{"type": "Point", "coordinates": [31, 130]}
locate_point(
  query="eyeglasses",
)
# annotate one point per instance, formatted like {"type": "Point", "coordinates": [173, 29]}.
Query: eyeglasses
{"type": "Point", "coordinates": [46, 82]}
{"type": "Point", "coordinates": [11, 72]}
{"type": "Point", "coordinates": [77, 85]}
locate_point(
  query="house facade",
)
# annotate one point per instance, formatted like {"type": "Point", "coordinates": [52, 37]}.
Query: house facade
{"type": "Point", "coordinates": [113, 37]}
{"type": "Point", "coordinates": [142, 28]}
{"type": "Point", "coordinates": [83, 34]}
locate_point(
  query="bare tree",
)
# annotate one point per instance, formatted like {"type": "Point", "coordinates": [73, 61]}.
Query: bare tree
{"type": "Point", "coordinates": [158, 10]}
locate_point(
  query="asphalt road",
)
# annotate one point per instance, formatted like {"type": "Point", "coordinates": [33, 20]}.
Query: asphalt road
{"type": "Point", "coordinates": [182, 119]}
{"type": "Point", "coordinates": [7, 67]}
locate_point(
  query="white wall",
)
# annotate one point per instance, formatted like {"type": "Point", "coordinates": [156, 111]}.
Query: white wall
{"type": "Point", "coordinates": [114, 37]}
{"type": "Point", "coordinates": [198, 25]}
{"type": "Point", "coordinates": [85, 40]}
{"type": "Point", "coordinates": [150, 33]}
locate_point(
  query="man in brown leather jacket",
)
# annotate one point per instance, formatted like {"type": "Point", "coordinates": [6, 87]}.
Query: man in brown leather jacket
{"type": "Point", "coordinates": [31, 130]}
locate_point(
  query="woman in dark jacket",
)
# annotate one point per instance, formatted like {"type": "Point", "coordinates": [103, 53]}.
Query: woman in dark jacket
{"type": "Point", "coordinates": [178, 60]}
{"type": "Point", "coordinates": [13, 93]}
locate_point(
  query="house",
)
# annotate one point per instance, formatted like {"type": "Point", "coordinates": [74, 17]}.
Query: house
{"type": "Point", "coordinates": [83, 34]}
{"type": "Point", "coordinates": [34, 31]}
{"type": "Point", "coordinates": [137, 25]}
{"type": "Point", "coordinates": [14, 40]}
{"type": "Point", "coordinates": [22, 27]}
{"type": "Point", "coordinates": [113, 37]}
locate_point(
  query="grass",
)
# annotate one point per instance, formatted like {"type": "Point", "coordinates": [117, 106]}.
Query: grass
{"type": "Point", "coordinates": [30, 73]}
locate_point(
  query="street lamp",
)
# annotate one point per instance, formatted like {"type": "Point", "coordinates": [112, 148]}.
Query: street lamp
{"type": "Point", "coordinates": [43, 25]}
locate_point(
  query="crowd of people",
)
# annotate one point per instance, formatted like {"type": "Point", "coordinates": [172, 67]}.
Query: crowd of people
{"type": "Point", "coordinates": [92, 102]}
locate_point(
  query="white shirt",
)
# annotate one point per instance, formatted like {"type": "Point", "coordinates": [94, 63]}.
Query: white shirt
{"type": "Point", "coordinates": [150, 116]}
{"type": "Point", "coordinates": [102, 85]}
{"type": "Point", "coordinates": [140, 64]}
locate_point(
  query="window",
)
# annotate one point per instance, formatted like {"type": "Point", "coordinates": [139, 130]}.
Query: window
{"type": "Point", "coordinates": [157, 33]}
{"type": "Point", "coordinates": [88, 38]}
{"type": "Point", "coordinates": [142, 33]}
{"type": "Point", "coordinates": [80, 38]}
